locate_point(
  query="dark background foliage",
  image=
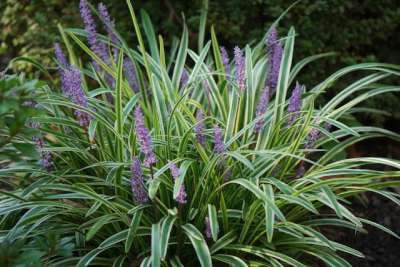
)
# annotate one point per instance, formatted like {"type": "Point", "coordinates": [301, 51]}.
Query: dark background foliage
{"type": "Point", "coordinates": [358, 30]}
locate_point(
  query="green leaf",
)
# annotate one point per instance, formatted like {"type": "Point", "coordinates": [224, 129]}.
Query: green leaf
{"type": "Point", "coordinates": [98, 225]}
{"type": "Point", "coordinates": [155, 245]}
{"type": "Point", "coordinates": [27, 149]}
{"type": "Point", "coordinates": [269, 213]}
{"type": "Point", "coordinates": [166, 228]}
{"type": "Point", "coordinates": [180, 58]}
{"type": "Point", "coordinates": [132, 229]}
{"type": "Point", "coordinates": [259, 194]}
{"type": "Point", "coordinates": [85, 260]}
{"type": "Point", "coordinates": [212, 215]}
{"type": "Point", "coordinates": [199, 244]}
{"type": "Point", "coordinates": [231, 260]}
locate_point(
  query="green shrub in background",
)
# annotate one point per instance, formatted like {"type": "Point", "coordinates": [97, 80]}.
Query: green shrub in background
{"type": "Point", "coordinates": [15, 113]}
{"type": "Point", "coordinates": [157, 156]}
{"type": "Point", "coordinates": [358, 30]}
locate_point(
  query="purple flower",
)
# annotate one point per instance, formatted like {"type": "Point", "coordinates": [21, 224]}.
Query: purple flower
{"type": "Point", "coordinates": [63, 66]}
{"type": "Point", "coordinates": [272, 38]}
{"type": "Point", "coordinates": [71, 86]}
{"type": "Point", "coordinates": [46, 158]}
{"type": "Point", "coordinates": [175, 172]}
{"type": "Point", "coordinates": [275, 50]}
{"type": "Point", "coordinates": [130, 73]}
{"type": "Point", "coordinates": [315, 134]}
{"type": "Point", "coordinates": [207, 231]}
{"type": "Point", "coordinates": [328, 126]}
{"type": "Point", "coordinates": [240, 68]}
{"type": "Point", "coordinates": [300, 170]}
{"type": "Point", "coordinates": [62, 60]}
{"type": "Point", "coordinates": [109, 26]}
{"type": "Point", "coordinates": [76, 94]}
{"type": "Point", "coordinates": [295, 103]}
{"type": "Point", "coordinates": [261, 108]}
{"type": "Point", "coordinates": [137, 183]}
{"type": "Point", "coordinates": [312, 138]}
{"type": "Point", "coordinates": [144, 138]}
{"type": "Point", "coordinates": [227, 175]}
{"type": "Point", "coordinates": [207, 88]}
{"type": "Point", "coordinates": [225, 61]}
{"type": "Point", "coordinates": [30, 104]}
{"type": "Point", "coordinates": [199, 128]}
{"type": "Point", "coordinates": [219, 146]}
{"type": "Point", "coordinates": [97, 47]}
{"type": "Point", "coordinates": [184, 78]}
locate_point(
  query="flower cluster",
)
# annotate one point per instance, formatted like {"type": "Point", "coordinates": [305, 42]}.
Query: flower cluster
{"type": "Point", "coordinates": [225, 61]}
{"type": "Point", "coordinates": [199, 128]}
{"type": "Point", "coordinates": [46, 157]}
{"type": "Point", "coordinates": [312, 138]}
{"type": "Point", "coordinates": [62, 60]}
{"type": "Point", "coordinates": [219, 146]}
{"type": "Point", "coordinates": [137, 183]}
{"type": "Point", "coordinates": [96, 46]}
{"type": "Point", "coordinates": [207, 231]}
{"type": "Point", "coordinates": [295, 103]}
{"type": "Point", "coordinates": [144, 138]}
{"type": "Point", "coordinates": [275, 50]}
{"type": "Point", "coordinates": [130, 73]}
{"type": "Point", "coordinates": [261, 108]}
{"type": "Point", "coordinates": [184, 78]}
{"type": "Point", "coordinates": [314, 135]}
{"type": "Point", "coordinates": [77, 95]}
{"type": "Point", "coordinates": [240, 68]}
{"type": "Point", "coordinates": [175, 172]}
{"type": "Point", "coordinates": [71, 85]}
{"type": "Point", "coordinates": [109, 27]}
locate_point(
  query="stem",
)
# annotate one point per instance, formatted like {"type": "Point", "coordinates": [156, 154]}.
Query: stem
{"type": "Point", "coordinates": [179, 238]}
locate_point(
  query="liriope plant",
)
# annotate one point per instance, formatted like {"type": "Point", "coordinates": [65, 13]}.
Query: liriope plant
{"type": "Point", "coordinates": [182, 157]}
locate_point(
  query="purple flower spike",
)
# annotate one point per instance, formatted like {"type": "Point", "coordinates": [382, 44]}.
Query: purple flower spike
{"type": "Point", "coordinates": [77, 95]}
{"type": "Point", "coordinates": [199, 128]}
{"type": "Point", "coordinates": [130, 73]}
{"type": "Point", "coordinates": [137, 183]}
{"type": "Point", "coordinates": [45, 156]}
{"type": "Point", "coordinates": [144, 138]}
{"type": "Point", "coordinates": [184, 78]}
{"type": "Point", "coordinates": [295, 103]}
{"type": "Point", "coordinates": [272, 38]}
{"type": "Point", "coordinates": [62, 60]}
{"type": "Point", "coordinates": [97, 47]}
{"type": "Point", "coordinates": [240, 68]}
{"type": "Point", "coordinates": [63, 66]}
{"type": "Point", "coordinates": [275, 50]}
{"type": "Point", "coordinates": [225, 61]}
{"type": "Point", "coordinates": [227, 175]}
{"type": "Point", "coordinates": [175, 172]}
{"type": "Point", "coordinates": [219, 146]}
{"type": "Point", "coordinates": [207, 231]}
{"type": "Point", "coordinates": [261, 108]}
{"type": "Point", "coordinates": [312, 138]}
{"type": "Point", "coordinates": [109, 26]}
{"type": "Point", "coordinates": [314, 135]}
{"type": "Point", "coordinates": [300, 170]}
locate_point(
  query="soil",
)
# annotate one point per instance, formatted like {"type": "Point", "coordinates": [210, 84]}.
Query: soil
{"type": "Point", "coordinates": [380, 249]}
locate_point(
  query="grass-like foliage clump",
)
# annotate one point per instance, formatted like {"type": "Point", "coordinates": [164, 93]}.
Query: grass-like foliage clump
{"type": "Point", "coordinates": [174, 157]}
